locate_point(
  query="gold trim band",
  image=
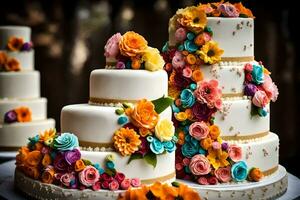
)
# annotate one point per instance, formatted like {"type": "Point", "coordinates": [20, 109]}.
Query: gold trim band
{"type": "Point", "coordinates": [270, 171]}
{"type": "Point", "coordinates": [95, 100]}
{"type": "Point", "coordinates": [9, 148]}
{"type": "Point", "coordinates": [245, 137]}
{"type": "Point", "coordinates": [226, 95]}
{"type": "Point", "coordinates": [237, 59]}
{"type": "Point", "coordinates": [160, 179]}
{"type": "Point", "coordinates": [95, 144]}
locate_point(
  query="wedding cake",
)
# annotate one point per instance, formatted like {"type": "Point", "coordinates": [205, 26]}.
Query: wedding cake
{"type": "Point", "coordinates": [122, 138]}
{"type": "Point", "coordinates": [22, 110]}
{"type": "Point", "coordinates": [221, 108]}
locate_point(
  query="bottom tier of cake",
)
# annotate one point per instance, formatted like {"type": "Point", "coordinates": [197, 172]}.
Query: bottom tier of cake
{"type": "Point", "coordinates": [261, 152]}
{"type": "Point", "coordinates": [271, 187]}
{"type": "Point", "coordinates": [13, 135]}
{"type": "Point", "coordinates": [163, 172]}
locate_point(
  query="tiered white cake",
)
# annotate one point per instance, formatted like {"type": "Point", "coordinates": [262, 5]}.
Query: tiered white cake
{"type": "Point", "coordinates": [20, 87]}
{"type": "Point", "coordinates": [95, 123]}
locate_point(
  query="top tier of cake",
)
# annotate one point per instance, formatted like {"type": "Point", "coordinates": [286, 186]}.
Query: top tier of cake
{"type": "Point", "coordinates": [113, 86]}
{"type": "Point", "coordinates": [21, 50]}
{"type": "Point", "coordinates": [234, 35]}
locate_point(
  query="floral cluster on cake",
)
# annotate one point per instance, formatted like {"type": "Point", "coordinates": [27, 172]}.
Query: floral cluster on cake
{"type": "Point", "coordinates": [162, 192]}
{"type": "Point", "coordinates": [18, 44]}
{"type": "Point", "coordinates": [143, 134]}
{"type": "Point", "coordinates": [260, 87]}
{"type": "Point", "coordinates": [8, 64]}
{"type": "Point", "coordinates": [55, 158]}
{"type": "Point", "coordinates": [20, 114]}
{"type": "Point", "coordinates": [226, 9]}
{"type": "Point", "coordinates": [131, 51]}
{"type": "Point", "coordinates": [201, 155]}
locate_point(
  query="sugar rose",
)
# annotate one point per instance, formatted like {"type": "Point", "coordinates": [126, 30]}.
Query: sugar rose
{"type": "Point", "coordinates": [144, 115]}
{"type": "Point", "coordinates": [200, 165]}
{"type": "Point", "coordinates": [153, 59]}
{"type": "Point", "coordinates": [132, 44]}
{"type": "Point", "coordinates": [164, 130]}
{"type": "Point", "coordinates": [89, 176]}
{"type": "Point", "coordinates": [112, 46]}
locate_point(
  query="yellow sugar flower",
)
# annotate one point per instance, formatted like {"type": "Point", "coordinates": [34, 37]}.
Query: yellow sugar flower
{"type": "Point", "coordinates": [210, 52]}
{"type": "Point", "coordinates": [47, 135]}
{"type": "Point", "coordinates": [153, 59]}
{"type": "Point", "coordinates": [126, 141]}
{"type": "Point", "coordinates": [217, 158]}
{"type": "Point", "coordinates": [173, 91]}
{"type": "Point", "coordinates": [181, 116]}
{"type": "Point", "coordinates": [193, 18]}
{"type": "Point", "coordinates": [164, 130]}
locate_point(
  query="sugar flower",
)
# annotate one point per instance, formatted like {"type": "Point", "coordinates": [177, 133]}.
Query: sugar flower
{"type": "Point", "coordinates": [242, 10]}
{"type": "Point", "coordinates": [180, 34]}
{"type": "Point", "coordinates": [66, 142]}
{"type": "Point", "coordinates": [72, 156]}
{"type": "Point", "coordinates": [257, 74]}
{"type": "Point", "coordinates": [144, 115]}
{"type": "Point", "coordinates": [10, 116]}
{"type": "Point", "coordinates": [89, 176]}
{"type": "Point", "coordinates": [48, 175]}
{"type": "Point", "coordinates": [270, 88]}
{"type": "Point", "coordinates": [200, 165]}
{"type": "Point", "coordinates": [23, 114]}
{"type": "Point", "coordinates": [199, 130]}
{"type": "Point", "coordinates": [209, 93]}
{"type": "Point", "coordinates": [255, 174]}
{"type": "Point", "coordinates": [153, 59]}
{"type": "Point", "coordinates": [260, 99]}
{"type": "Point", "coordinates": [210, 52]}
{"type": "Point", "coordinates": [202, 112]}
{"type": "Point", "coordinates": [164, 130]}
{"type": "Point", "coordinates": [15, 44]}
{"type": "Point", "coordinates": [132, 44]}
{"type": "Point", "coordinates": [187, 98]}
{"type": "Point", "coordinates": [235, 152]}
{"type": "Point", "coordinates": [239, 171]}
{"type": "Point", "coordinates": [193, 18]}
{"type": "Point", "coordinates": [126, 141]}
{"type": "Point", "coordinates": [112, 46]}
{"type": "Point", "coordinates": [217, 158]}
{"type": "Point", "coordinates": [223, 174]}
{"type": "Point", "coordinates": [156, 146]}
{"type": "Point", "coordinates": [228, 10]}
{"type": "Point", "coordinates": [178, 61]}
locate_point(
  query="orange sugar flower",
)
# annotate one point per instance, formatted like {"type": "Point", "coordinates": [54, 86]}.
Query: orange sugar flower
{"type": "Point", "coordinates": [181, 138]}
{"type": "Point", "coordinates": [192, 18]}
{"type": "Point", "coordinates": [12, 64]}
{"type": "Point", "coordinates": [255, 175]}
{"type": "Point", "coordinates": [135, 63]}
{"type": "Point", "coordinates": [23, 114]}
{"type": "Point", "coordinates": [186, 193]}
{"type": "Point", "coordinates": [126, 141]}
{"type": "Point", "coordinates": [214, 132]}
{"type": "Point", "coordinates": [46, 160]}
{"type": "Point", "coordinates": [3, 58]}
{"type": "Point", "coordinates": [38, 146]}
{"type": "Point", "coordinates": [32, 172]}
{"type": "Point", "coordinates": [173, 91]}
{"type": "Point", "coordinates": [34, 158]}
{"type": "Point", "coordinates": [144, 115]}
{"type": "Point", "coordinates": [144, 132]}
{"type": "Point", "coordinates": [191, 59]}
{"type": "Point", "coordinates": [15, 44]}
{"type": "Point", "coordinates": [132, 44]}
{"type": "Point", "coordinates": [22, 155]}
{"type": "Point", "coordinates": [197, 75]}
{"type": "Point", "coordinates": [79, 165]}
{"type": "Point", "coordinates": [48, 175]}
{"type": "Point", "coordinates": [206, 143]}
{"type": "Point", "coordinates": [189, 113]}
{"type": "Point", "coordinates": [135, 194]}
{"type": "Point", "coordinates": [185, 53]}
{"type": "Point", "coordinates": [243, 10]}
{"type": "Point", "coordinates": [199, 40]}
{"type": "Point", "coordinates": [47, 135]}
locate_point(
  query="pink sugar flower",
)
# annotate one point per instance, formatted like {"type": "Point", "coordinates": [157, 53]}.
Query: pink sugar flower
{"type": "Point", "coordinates": [235, 152]}
{"type": "Point", "coordinates": [89, 176]}
{"type": "Point", "coordinates": [199, 130]}
{"type": "Point", "coordinates": [112, 46]}
{"type": "Point", "coordinates": [200, 165]}
{"type": "Point", "coordinates": [223, 174]}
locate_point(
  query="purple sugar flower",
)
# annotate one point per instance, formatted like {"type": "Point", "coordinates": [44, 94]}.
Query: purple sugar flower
{"type": "Point", "coordinates": [10, 117]}
{"type": "Point", "coordinates": [60, 164]}
{"type": "Point", "coordinates": [120, 65]}
{"type": "Point", "coordinates": [224, 146]}
{"type": "Point", "coordinates": [202, 112]}
{"type": "Point", "coordinates": [27, 46]}
{"type": "Point", "coordinates": [144, 148]}
{"type": "Point", "coordinates": [228, 10]}
{"type": "Point", "coordinates": [250, 89]}
{"type": "Point", "coordinates": [72, 156]}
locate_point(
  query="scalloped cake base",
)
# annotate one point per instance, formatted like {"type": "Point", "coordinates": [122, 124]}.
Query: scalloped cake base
{"type": "Point", "coordinates": [271, 187]}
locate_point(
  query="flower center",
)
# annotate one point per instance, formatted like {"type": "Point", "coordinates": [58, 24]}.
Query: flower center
{"type": "Point", "coordinates": [23, 114]}
{"type": "Point", "coordinates": [127, 139]}
{"type": "Point", "coordinates": [207, 91]}
{"type": "Point", "coordinates": [211, 53]}
{"type": "Point", "coordinates": [196, 20]}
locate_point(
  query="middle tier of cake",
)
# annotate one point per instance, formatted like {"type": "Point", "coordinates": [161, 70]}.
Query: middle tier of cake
{"type": "Point", "coordinates": [94, 125]}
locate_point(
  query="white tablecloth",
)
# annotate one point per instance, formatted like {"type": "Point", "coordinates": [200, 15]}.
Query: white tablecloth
{"type": "Point", "coordinates": [7, 184]}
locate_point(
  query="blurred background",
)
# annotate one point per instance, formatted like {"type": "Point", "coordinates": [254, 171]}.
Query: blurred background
{"type": "Point", "coordinates": [69, 37]}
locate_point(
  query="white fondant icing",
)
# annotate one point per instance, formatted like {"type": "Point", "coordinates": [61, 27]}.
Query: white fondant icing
{"type": "Point", "coordinates": [136, 168]}
{"type": "Point", "coordinates": [17, 134]}
{"type": "Point", "coordinates": [128, 84]}
{"type": "Point", "coordinates": [270, 187]}
{"type": "Point", "coordinates": [94, 123]}
{"type": "Point", "coordinates": [234, 35]}
{"type": "Point", "coordinates": [13, 31]}
{"type": "Point", "coordinates": [20, 84]}
{"type": "Point", "coordinates": [25, 58]}
{"type": "Point", "coordinates": [235, 119]}
{"type": "Point", "coordinates": [261, 153]}
{"type": "Point", "coordinates": [38, 107]}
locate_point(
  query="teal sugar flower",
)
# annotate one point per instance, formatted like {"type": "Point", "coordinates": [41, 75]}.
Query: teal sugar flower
{"type": "Point", "coordinates": [239, 171]}
{"type": "Point", "coordinates": [157, 146]}
{"type": "Point", "coordinates": [66, 142]}
{"type": "Point", "coordinates": [169, 146]}
{"type": "Point", "coordinates": [190, 46]}
{"type": "Point", "coordinates": [187, 98]}
{"type": "Point", "coordinates": [257, 74]}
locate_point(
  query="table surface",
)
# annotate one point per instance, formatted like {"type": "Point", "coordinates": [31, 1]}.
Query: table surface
{"type": "Point", "coordinates": [7, 184]}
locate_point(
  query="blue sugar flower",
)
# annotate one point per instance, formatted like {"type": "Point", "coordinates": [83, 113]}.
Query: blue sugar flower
{"type": "Point", "coordinates": [190, 46]}
{"type": "Point", "coordinates": [239, 171]}
{"type": "Point", "coordinates": [66, 142]}
{"type": "Point", "coordinates": [187, 98]}
{"type": "Point", "coordinates": [169, 146]}
{"type": "Point", "coordinates": [156, 146]}
{"type": "Point", "coordinates": [257, 74]}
